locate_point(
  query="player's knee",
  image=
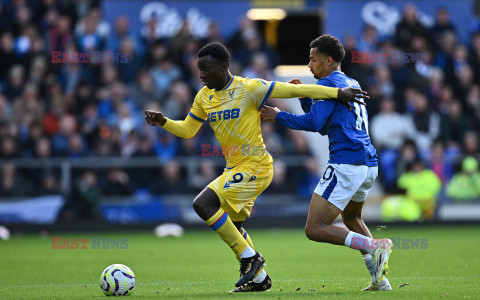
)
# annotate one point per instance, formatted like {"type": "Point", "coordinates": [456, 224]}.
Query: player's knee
{"type": "Point", "coordinates": [317, 231]}
{"type": "Point", "coordinates": [197, 206]}
{"type": "Point", "coordinates": [309, 232]}
{"type": "Point", "coordinates": [313, 231]}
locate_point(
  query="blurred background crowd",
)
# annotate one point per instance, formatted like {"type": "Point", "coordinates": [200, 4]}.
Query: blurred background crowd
{"type": "Point", "coordinates": [424, 115]}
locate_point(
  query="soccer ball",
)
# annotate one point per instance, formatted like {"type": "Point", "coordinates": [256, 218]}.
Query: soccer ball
{"type": "Point", "coordinates": [117, 280]}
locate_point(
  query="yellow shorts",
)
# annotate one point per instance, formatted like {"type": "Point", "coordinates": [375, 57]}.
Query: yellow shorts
{"type": "Point", "coordinates": [237, 188]}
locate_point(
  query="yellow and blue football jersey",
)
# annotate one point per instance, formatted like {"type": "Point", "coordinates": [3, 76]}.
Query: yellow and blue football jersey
{"type": "Point", "coordinates": [234, 115]}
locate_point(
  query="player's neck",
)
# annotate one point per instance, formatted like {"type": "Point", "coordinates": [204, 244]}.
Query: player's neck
{"type": "Point", "coordinates": [329, 72]}
{"type": "Point", "coordinates": [225, 83]}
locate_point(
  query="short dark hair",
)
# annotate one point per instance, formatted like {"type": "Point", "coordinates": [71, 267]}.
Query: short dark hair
{"type": "Point", "coordinates": [215, 50]}
{"type": "Point", "coordinates": [330, 46]}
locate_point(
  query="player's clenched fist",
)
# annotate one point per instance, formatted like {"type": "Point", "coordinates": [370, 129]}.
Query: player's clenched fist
{"type": "Point", "coordinates": [269, 113]}
{"type": "Point", "coordinates": [154, 118]}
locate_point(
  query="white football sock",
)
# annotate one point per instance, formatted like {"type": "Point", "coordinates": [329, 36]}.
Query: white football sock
{"type": "Point", "coordinates": [360, 242]}
{"type": "Point", "coordinates": [249, 252]}
{"type": "Point", "coordinates": [260, 277]}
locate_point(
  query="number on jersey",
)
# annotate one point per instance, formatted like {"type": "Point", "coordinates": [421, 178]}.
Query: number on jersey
{"type": "Point", "coordinates": [361, 113]}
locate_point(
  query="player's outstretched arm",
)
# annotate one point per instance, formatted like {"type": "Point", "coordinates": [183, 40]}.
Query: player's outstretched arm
{"type": "Point", "coordinates": [344, 95]}
{"type": "Point", "coordinates": [185, 129]}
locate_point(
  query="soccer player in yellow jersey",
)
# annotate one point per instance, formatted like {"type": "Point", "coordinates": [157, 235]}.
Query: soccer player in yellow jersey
{"type": "Point", "coordinates": [231, 105]}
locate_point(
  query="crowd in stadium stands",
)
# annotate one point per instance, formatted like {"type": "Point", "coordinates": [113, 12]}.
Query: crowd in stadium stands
{"type": "Point", "coordinates": [424, 115]}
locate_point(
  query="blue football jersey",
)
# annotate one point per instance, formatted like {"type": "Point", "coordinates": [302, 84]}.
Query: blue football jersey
{"type": "Point", "coordinates": [349, 142]}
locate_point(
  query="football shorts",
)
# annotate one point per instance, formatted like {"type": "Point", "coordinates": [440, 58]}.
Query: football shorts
{"type": "Point", "coordinates": [341, 183]}
{"type": "Point", "coordinates": [238, 187]}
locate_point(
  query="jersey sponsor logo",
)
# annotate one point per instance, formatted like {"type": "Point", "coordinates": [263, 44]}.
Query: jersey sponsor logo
{"type": "Point", "coordinates": [223, 115]}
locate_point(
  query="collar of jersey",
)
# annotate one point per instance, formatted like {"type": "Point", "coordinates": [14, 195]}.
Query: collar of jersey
{"type": "Point", "coordinates": [229, 83]}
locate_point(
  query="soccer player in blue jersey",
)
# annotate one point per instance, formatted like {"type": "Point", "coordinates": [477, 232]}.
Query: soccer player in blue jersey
{"type": "Point", "coordinates": [352, 167]}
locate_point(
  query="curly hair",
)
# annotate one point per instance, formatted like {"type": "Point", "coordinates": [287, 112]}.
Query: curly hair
{"type": "Point", "coordinates": [330, 46]}
{"type": "Point", "coordinates": [216, 50]}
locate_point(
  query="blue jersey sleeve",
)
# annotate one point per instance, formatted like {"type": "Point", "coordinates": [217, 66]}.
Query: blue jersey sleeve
{"type": "Point", "coordinates": [313, 121]}
{"type": "Point", "coordinates": [306, 104]}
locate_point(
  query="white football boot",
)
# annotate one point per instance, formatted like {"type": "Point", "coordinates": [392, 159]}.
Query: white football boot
{"type": "Point", "coordinates": [380, 257]}
{"type": "Point", "coordinates": [383, 285]}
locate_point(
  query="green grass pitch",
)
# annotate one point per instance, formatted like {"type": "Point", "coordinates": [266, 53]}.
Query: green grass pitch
{"type": "Point", "coordinates": [200, 266]}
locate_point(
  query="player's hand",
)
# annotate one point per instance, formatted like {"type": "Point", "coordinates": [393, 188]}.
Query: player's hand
{"type": "Point", "coordinates": [295, 81]}
{"type": "Point", "coordinates": [155, 118]}
{"type": "Point", "coordinates": [347, 94]}
{"type": "Point", "coordinates": [269, 113]}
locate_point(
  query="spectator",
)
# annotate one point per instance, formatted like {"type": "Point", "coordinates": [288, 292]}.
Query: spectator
{"type": "Point", "coordinates": [454, 124]}
{"type": "Point", "coordinates": [87, 37]}
{"type": "Point", "coordinates": [14, 85]}
{"type": "Point", "coordinates": [164, 72]}
{"type": "Point", "coordinates": [117, 183]}
{"type": "Point", "coordinates": [258, 67]}
{"type": "Point", "coordinates": [9, 148]}
{"type": "Point", "coordinates": [381, 84]}
{"type": "Point", "coordinates": [86, 197]}
{"type": "Point", "coordinates": [279, 184]}
{"type": "Point", "coordinates": [206, 174]}
{"type": "Point", "coordinates": [474, 55]}
{"type": "Point", "coordinates": [12, 183]}
{"type": "Point", "coordinates": [120, 32]}
{"type": "Point", "coordinates": [470, 143]}
{"type": "Point", "coordinates": [408, 27]}
{"type": "Point", "coordinates": [7, 56]}
{"type": "Point", "coordinates": [425, 123]}
{"type": "Point", "coordinates": [59, 35]}
{"type": "Point", "coordinates": [60, 141]}
{"type": "Point", "coordinates": [441, 160]}
{"type": "Point", "coordinates": [473, 105]}
{"type": "Point", "coordinates": [50, 185]}
{"type": "Point", "coordinates": [129, 60]}
{"type": "Point", "coordinates": [172, 181]}
{"type": "Point", "coordinates": [368, 39]}
{"type": "Point", "coordinates": [389, 130]}
{"type": "Point", "coordinates": [408, 154]}
{"type": "Point", "coordinates": [144, 90]}
{"type": "Point", "coordinates": [178, 102]}
{"type": "Point", "coordinates": [442, 25]}
{"type": "Point", "coordinates": [465, 185]}
{"type": "Point", "coordinates": [422, 186]}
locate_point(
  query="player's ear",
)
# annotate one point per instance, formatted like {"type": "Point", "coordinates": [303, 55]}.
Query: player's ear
{"type": "Point", "coordinates": [330, 61]}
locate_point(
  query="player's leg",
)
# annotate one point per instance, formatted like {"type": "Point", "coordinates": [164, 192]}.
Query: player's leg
{"type": "Point", "coordinates": [352, 218]}
{"type": "Point", "coordinates": [261, 282]}
{"type": "Point", "coordinates": [339, 184]}
{"type": "Point", "coordinates": [207, 206]}
{"type": "Point", "coordinates": [321, 215]}
{"type": "Point", "coordinates": [236, 190]}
